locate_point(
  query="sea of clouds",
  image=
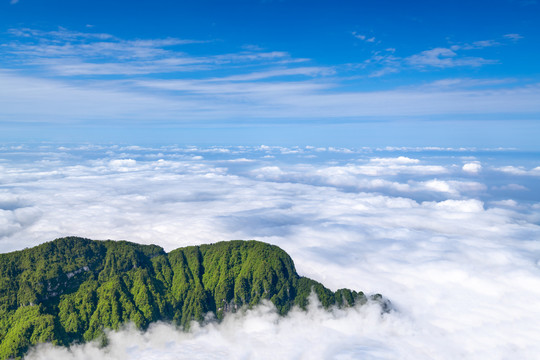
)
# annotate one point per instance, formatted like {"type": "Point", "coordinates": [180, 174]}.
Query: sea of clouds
{"type": "Point", "coordinates": [450, 236]}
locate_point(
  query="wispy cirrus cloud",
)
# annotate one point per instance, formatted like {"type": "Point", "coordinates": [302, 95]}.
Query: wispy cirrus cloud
{"type": "Point", "coordinates": [440, 58]}
{"type": "Point", "coordinates": [71, 76]}
{"type": "Point", "coordinates": [513, 37]}
{"type": "Point", "coordinates": [363, 37]}
{"type": "Point", "coordinates": [71, 53]}
{"type": "Point", "coordinates": [436, 58]}
{"type": "Point", "coordinates": [443, 58]}
{"type": "Point", "coordinates": [55, 35]}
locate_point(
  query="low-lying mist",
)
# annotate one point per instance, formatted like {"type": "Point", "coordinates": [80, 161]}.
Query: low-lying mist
{"type": "Point", "coordinates": [257, 333]}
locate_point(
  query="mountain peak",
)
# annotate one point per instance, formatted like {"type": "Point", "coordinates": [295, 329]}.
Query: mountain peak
{"type": "Point", "coordinates": [72, 289]}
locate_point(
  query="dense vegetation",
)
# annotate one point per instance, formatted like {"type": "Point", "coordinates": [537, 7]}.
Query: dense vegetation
{"type": "Point", "coordinates": [71, 289]}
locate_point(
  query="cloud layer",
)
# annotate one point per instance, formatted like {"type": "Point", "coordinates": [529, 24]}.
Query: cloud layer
{"type": "Point", "coordinates": [451, 237]}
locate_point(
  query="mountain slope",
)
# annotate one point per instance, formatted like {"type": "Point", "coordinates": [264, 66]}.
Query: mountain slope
{"type": "Point", "coordinates": [71, 289]}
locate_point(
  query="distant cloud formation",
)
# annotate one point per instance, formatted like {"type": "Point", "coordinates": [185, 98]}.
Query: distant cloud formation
{"type": "Point", "coordinates": [74, 53]}
{"type": "Point", "coordinates": [363, 37]}
{"type": "Point", "coordinates": [450, 56]}
{"type": "Point", "coordinates": [443, 57]}
{"type": "Point", "coordinates": [514, 37]}
{"type": "Point", "coordinates": [87, 76]}
{"type": "Point", "coordinates": [448, 235]}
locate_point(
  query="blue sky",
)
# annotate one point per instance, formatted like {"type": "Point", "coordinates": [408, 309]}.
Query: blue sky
{"type": "Point", "coordinates": [346, 73]}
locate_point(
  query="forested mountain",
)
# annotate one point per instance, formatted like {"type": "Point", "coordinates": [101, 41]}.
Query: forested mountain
{"type": "Point", "coordinates": [71, 289]}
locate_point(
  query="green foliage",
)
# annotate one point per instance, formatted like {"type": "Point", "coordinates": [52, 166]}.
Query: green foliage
{"type": "Point", "coordinates": [72, 289]}
{"type": "Point", "coordinates": [25, 327]}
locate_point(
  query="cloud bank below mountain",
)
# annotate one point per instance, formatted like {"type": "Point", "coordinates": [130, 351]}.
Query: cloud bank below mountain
{"type": "Point", "coordinates": [451, 237]}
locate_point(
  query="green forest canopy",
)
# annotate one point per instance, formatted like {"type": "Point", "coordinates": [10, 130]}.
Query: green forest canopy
{"type": "Point", "coordinates": [72, 289]}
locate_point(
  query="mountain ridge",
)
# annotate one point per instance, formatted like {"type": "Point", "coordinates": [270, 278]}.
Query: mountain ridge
{"type": "Point", "coordinates": [71, 289]}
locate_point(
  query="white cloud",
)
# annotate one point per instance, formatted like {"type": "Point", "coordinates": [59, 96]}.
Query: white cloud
{"type": "Point", "coordinates": [363, 37]}
{"type": "Point", "coordinates": [472, 167]}
{"type": "Point", "coordinates": [476, 45]}
{"type": "Point", "coordinates": [513, 187]}
{"type": "Point", "coordinates": [240, 160]}
{"type": "Point", "coordinates": [60, 34]}
{"type": "Point", "coordinates": [462, 272]}
{"type": "Point", "coordinates": [460, 206]}
{"type": "Point", "coordinates": [384, 71]}
{"type": "Point", "coordinates": [401, 160]}
{"type": "Point", "coordinates": [444, 58]}
{"type": "Point", "coordinates": [468, 83]}
{"type": "Point", "coordinates": [506, 203]}
{"type": "Point", "coordinates": [391, 166]}
{"type": "Point", "coordinates": [367, 177]}
{"type": "Point", "coordinates": [70, 53]}
{"type": "Point", "coordinates": [518, 170]}
{"type": "Point", "coordinates": [122, 164]}
{"type": "Point", "coordinates": [437, 185]}
{"type": "Point", "coordinates": [438, 57]}
{"type": "Point", "coordinates": [513, 37]}
{"type": "Point", "coordinates": [485, 43]}
{"type": "Point", "coordinates": [306, 71]}
{"type": "Point", "coordinates": [512, 170]}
